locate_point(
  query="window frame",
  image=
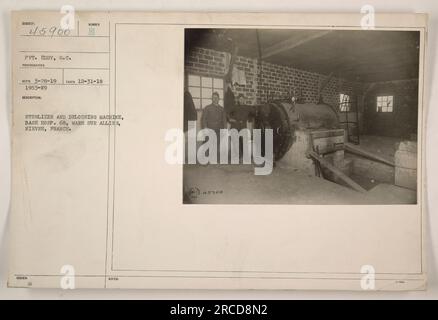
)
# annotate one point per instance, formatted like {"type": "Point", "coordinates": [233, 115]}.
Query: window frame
{"type": "Point", "coordinates": [201, 87]}
{"type": "Point", "coordinates": [344, 105]}
{"type": "Point", "coordinates": [384, 95]}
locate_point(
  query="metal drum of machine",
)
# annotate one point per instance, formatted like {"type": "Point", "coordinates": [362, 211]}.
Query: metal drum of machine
{"type": "Point", "coordinates": [309, 137]}
{"type": "Point", "coordinates": [300, 128]}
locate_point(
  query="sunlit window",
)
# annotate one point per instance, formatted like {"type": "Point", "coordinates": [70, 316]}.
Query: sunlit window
{"type": "Point", "coordinates": [385, 103]}
{"type": "Point", "coordinates": [202, 88]}
{"type": "Point", "coordinates": [344, 102]}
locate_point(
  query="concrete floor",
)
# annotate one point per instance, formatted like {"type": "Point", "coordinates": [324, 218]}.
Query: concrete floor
{"type": "Point", "coordinates": [237, 184]}
{"type": "Point", "coordinates": [370, 173]}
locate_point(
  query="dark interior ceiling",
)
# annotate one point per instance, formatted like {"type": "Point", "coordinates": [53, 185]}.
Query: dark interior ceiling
{"type": "Point", "coordinates": [359, 55]}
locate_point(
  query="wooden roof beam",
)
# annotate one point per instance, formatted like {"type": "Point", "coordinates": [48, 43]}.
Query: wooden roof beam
{"type": "Point", "coordinates": [291, 43]}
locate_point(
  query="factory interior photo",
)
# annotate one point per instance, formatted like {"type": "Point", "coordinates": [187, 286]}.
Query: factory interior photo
{"type": "Point", "coordinates": [343, 106]}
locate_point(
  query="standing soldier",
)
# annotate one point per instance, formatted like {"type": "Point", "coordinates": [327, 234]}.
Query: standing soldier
{"type": "Point", "coordinates": [229, 98]}
{"type": "Point", "coordinates": [238, 118]}
{"type": "Point", "coordinates": [214, 118]}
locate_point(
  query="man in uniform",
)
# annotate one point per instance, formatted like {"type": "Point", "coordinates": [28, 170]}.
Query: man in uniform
{"type": "Point", "coordinates": [214, 118]}
{"type": "Point", "coordinates": [238, 118]}
{"type": "Point", "coordinates": [189, 110]}
{"type": "Point", "coordinates": [229, 98]}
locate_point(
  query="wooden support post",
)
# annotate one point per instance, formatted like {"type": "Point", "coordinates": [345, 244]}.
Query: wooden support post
{"type": "Point", "coordinates": [356, 150]}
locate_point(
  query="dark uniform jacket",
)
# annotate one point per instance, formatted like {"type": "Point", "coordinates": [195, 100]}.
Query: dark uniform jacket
{"type": "Point", "coordinates": [189, 110]}
{"type": "Point", "coordinates": [229, 101]}
{"type": "Point", "coordinates": [238, 117]}
{"type": "Point", "coordinates": [213, 117]}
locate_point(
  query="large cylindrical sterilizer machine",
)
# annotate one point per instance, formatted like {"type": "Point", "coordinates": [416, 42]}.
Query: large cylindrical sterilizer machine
{"type": "Point", "coordinates": [295, 121]}
{"type": "Point", "coordinates": [309, 137]}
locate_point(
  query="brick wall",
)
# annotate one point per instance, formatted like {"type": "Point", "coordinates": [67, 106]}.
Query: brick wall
{"type": "Point", "coordinates": [277, 81]}
{"type": "Point", "coordinates": [205, 62]}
